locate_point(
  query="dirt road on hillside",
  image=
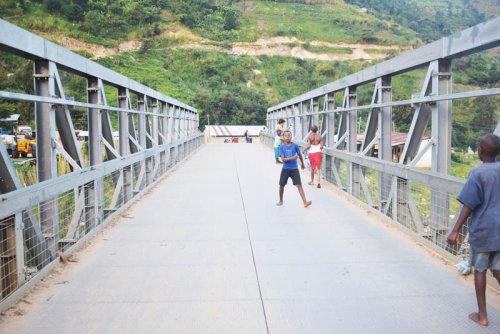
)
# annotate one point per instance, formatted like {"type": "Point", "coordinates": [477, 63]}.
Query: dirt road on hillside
{"type": "Point", "coordinates": [270, 46]}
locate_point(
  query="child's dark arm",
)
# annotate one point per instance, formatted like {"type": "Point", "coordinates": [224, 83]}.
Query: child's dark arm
{"type": "Point", "coordinates": [288, 159]}
{"type": "Point", "coordinates": [301, 161]}
{"type": "Point", "coordinates": [462, 218]}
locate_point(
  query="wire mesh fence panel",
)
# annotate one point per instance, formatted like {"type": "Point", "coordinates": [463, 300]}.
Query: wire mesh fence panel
{"type": "Point", "coordinates": [8, 265]}
{"type": "Point", "coordinates": [369, 187]}
{"type": "Point", "coordinates": [37, 253]}
{"type": "Point", "coordinates": [342, 168]}
{"type": "Point", "coordinates": [70, 207]}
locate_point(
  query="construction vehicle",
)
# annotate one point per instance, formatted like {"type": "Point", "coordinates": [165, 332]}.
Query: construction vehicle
{"type": "Point", "coordinates": [24, 142]}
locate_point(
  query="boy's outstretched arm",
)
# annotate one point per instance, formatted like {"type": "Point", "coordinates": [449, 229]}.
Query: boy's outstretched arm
{"type": "Point", "coordinates": [462, 218]}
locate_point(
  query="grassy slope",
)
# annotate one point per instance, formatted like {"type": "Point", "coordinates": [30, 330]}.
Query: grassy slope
{"type": "Point", "coordinates": [331, 22]}
{"type": "Point", "coordinates": [181, 73]}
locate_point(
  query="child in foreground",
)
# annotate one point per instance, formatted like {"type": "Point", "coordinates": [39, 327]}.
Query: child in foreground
{"type": "Point", "coordinates": [290, 152]}
{"type": "Point", "coordinates": [480, 197]}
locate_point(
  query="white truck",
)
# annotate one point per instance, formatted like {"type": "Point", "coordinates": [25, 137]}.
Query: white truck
{"type": "Point", "coordinates": [7, 139]}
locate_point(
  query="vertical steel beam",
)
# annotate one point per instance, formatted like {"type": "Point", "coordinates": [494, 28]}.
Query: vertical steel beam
{"type": "Point", "coordinates": [123, 127]}
{"type": "Point", "coordinates": [45, 122]}
{"type": "Point", "coordinates": [94, 119]}
{"type": "Point", "coordinates": [170, 127]}
{"type": "Point", "coordinates": [142, 138]}
{"type": "Point", "coordinates": [20, 241]}
{"type": "Point", "coordinates": [162, 134]}
{"type": "Point", "coordinates": [182, 132]}
{"type": "Point", "coordinates": [385, 142]}
{"type": "Point", "coordinates": [46, 153]}
{"type": "Point", "coordinates": [315, 110]}
{"type": "Point", "coordinates": [385, 119]}
{"type": "Point", "coordinates": [353, 170]}
{"type": "Point", "coordinates": [141, 127]}
{"type": "Point", "coordinates": [302, 117]}
{"type": "Point", "coordinates": [93, 205]}
{"type": "Point", "coordinates": [330, 137]}
{"type": "Point", "coordinates": [175, 134]}
{"type": "Point", "coordinates": [154, 134]}
{"type": "Point", "coordinates": [124, 142]}
{"type": "Point", "coordinates": [441, 134]}
{"type": "Point", "coordinates": [289, 119]}
{"type": "Point", "coordinates": [441, 119]}
{"type": "Point", "coordinates": [330, 134]}
{"type": "Point", "coordinates": [296, 121]}
{"type": "Point", "coordinates": [149, 144]}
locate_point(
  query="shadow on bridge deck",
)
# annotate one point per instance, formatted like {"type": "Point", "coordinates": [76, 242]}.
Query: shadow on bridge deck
{"type": "Point", "coordinates": [207, 251]}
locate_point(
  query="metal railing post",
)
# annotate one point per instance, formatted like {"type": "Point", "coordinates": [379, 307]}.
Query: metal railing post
{"type": "Point", "coordinates": [46, 153]}
{"type": "Point", "coordinates": [441, 155]}
{"type": "Point", "coordinates": [352, 143]}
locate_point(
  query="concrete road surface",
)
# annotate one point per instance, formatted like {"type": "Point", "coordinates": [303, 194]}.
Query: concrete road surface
{"type": "Point", "coordinates": [208, 251]}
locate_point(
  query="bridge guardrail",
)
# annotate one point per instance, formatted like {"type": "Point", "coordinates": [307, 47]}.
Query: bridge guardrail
{"type": "Point", "coordinates": [77, 194]}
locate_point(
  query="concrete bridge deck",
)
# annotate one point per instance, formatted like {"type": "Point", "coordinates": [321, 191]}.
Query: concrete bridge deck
{"type": "Point", "coordinates": [207, 251]}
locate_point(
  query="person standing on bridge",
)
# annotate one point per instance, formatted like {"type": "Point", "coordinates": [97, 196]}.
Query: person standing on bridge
{"type": "Point", "coordinates": [290, 152]}
{"type": "Point", "coordinates": [315, 146]}
{"type": "Point", "coordinates": [480, 197]}
{"type": "Point", "coordinates": [278, 139]}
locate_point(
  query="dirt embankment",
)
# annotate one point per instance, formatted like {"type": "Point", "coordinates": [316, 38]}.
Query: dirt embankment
{"type": "Point", "coordinates": [270, 46]}
{"type": "Point", "coordinates": [98, 51]}
{"type": "Point", "coordinates": [286, 46]}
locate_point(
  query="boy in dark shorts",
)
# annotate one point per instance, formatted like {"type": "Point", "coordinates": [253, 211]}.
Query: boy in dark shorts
{"type": "Point", "coordinates": [480, 197]}
{"type": "Point", "coordinates": [289, 153]}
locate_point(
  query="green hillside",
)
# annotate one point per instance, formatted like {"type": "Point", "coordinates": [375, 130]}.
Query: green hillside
{"type": "Point", "coordinates": [431, 19]}
{"type": "Point", "coordinates": [238, 88]}
{"type": "Point", "coordinates": [333, 21]}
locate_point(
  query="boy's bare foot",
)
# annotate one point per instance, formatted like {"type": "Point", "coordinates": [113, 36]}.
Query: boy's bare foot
{"type": "Point", "coordinates": [311, 183]}
{"type": "Point", "coordinates": [477, 319]}
{"type": "Point", "coordinates": [279, 203]}
{"type": "Point", "coordinates": [306, 204]}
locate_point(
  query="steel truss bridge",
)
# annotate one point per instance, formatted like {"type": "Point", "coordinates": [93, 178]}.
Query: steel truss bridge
{"type": "Point", "coordinates": [58, 214]}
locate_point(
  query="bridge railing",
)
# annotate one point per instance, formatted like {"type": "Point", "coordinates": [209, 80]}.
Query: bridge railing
{"type": "Point", "coordinates": [77, 193]}
{"type": "Point", "coordinates": [367, 166]}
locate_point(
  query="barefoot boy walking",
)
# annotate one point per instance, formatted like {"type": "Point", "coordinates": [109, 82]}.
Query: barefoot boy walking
{"type": "Point", "coordinates": [315, 146]}
{"type": "Point", "coordinates": [289, 153]}
{"type": "Point", "coordinates": [480, 197]}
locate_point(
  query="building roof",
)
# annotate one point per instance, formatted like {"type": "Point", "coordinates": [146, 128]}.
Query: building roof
{"type": "Point", "coordinates": [233, 130]}
{"type": "Point", "coordinates": [11, 118]}
{"type": "Point", "coordinates": [397, 138]}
